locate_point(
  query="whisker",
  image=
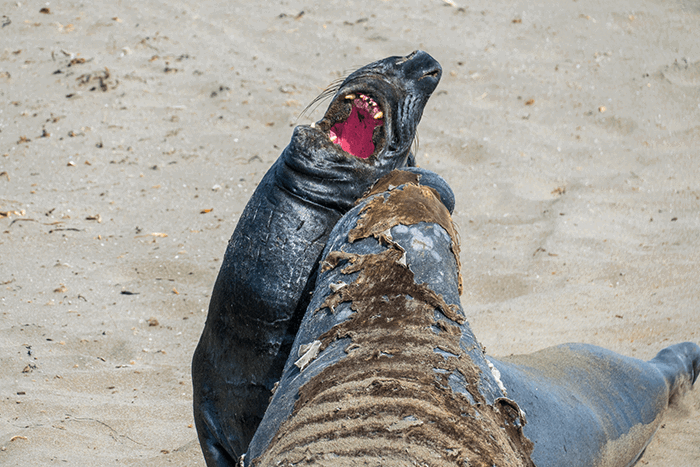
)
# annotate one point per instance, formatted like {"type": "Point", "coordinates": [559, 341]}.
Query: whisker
{"type": "Point", "coordinates": [414, 144]}
{"type": "Point", "coordinates": [325, 94]}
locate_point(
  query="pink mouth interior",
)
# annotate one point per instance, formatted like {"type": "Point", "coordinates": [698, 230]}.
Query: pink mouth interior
{"type": "Point", "coordinates": [355, 134]}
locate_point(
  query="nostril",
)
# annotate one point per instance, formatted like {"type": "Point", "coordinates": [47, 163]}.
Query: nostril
{"type": "Point", "coordinates": [433, 73]}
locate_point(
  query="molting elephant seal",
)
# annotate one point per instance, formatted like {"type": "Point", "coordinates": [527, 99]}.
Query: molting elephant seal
{"type": "Point", "coordinates": [386, 371]}
{"type": "Point", "coordinates": [269, 268]}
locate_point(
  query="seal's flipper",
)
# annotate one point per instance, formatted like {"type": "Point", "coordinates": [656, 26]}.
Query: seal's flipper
{"type": "Point", "coordinates": [680, 365]}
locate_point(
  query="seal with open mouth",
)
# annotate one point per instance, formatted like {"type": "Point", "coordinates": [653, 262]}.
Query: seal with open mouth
{"type": "Point", "coordinates": [268, 271]}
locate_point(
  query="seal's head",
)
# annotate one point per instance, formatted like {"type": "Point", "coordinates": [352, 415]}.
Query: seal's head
{"type": "Point", "coordinates": [376, 109]}
{"type": "Point", "coordinates": [366, 132]}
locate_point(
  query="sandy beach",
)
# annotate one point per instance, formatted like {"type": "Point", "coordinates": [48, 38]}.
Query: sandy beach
{"type": "Point", "coordinates": [133, 133]}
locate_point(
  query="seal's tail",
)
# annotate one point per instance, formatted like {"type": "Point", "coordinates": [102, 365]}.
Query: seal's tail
{"type": "Point", "coordinates": [680, 366]}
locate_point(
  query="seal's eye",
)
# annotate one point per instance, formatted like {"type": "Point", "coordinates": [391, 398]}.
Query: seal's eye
{"type": "Point", "coordinates": [355, 134]}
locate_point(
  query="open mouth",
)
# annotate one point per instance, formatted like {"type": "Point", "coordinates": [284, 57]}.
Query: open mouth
{"type": "Point", "coordinates": [355, 122]}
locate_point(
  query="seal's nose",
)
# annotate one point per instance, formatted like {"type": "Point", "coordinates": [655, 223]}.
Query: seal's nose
{"type": "Point", "coordinates": [422, 67]}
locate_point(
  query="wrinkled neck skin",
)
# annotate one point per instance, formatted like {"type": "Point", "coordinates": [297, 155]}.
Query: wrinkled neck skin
{"type": "Point", "coordinates": [283, 230]}
{"type": "Point", "coordinates": [313, 170]}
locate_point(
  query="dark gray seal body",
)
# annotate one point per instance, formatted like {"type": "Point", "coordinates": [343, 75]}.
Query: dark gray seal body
{"type": "Point", "coordinates": [588, 406]}
{"type": "Point", "coordinates": [269, 268]}
{"type": "Point", "coordinates": [385, 370]}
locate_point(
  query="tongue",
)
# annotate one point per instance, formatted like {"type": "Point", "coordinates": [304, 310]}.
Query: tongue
{"type": "Point", "coordinates": [355, 134]}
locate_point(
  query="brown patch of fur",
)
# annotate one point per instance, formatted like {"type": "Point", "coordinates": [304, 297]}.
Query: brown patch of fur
{"type": "Point", "coordinates": [384, 403]}
{"type": "Point", "coordinates": [410, 205]}
{"type": "Point", "coordinates": [382, 278]}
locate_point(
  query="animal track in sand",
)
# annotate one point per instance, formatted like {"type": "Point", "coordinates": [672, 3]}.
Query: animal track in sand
{"type": "Point", "coordinates": [682, 73]}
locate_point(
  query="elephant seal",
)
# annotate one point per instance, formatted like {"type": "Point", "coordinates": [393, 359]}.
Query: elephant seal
{"type": "Point", "coordinates": [385, 370]}
{"type": "Point", "coordinates": [270, 263]}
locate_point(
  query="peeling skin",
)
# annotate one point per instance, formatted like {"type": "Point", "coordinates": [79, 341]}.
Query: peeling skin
{"type": "Point", "coordinates": [497, 377]}
{"type": "Point", "coordinates": [307, 353]}
{"type": "Point", "coordinates": [389, 400]}
{"type": "Point", "coordinates": [407, 206]}
{"type": "Point", "coordinates": [368, 285]}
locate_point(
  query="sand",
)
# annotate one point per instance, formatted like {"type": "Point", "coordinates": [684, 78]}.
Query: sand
{"type": "Point", "coordinates": [133, 133]}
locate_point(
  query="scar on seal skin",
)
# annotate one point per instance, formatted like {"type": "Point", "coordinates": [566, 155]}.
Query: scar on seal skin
{"type": "Point", "coordinates": [400, 379]}
{"type": "Point", "coordinates": [271, 262]}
